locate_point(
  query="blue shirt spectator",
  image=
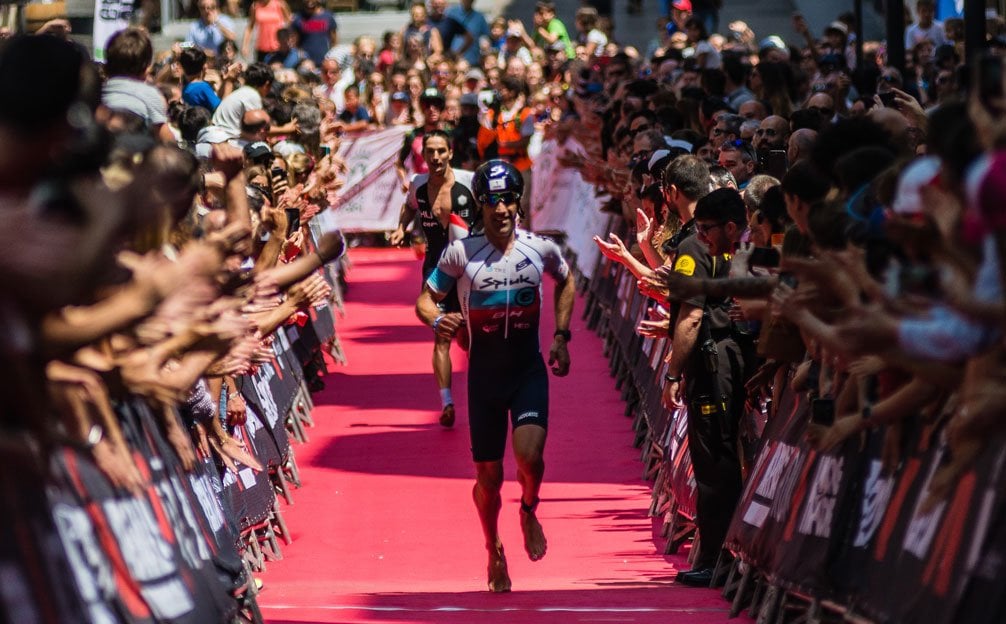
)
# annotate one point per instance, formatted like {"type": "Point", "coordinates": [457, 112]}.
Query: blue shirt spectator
{"type": "Point", "coordinates": [317, 30]}
{"type": "Point", "coordinates": [200, 93]}
{"type": "Point", "coordinates": [476, 25]}
{"type": "Point", "coordinates": [288, 55]}
{"type": "Point", "coordinates": [212, 28]}
{"type": "Point", "coordinates": [451, 30]}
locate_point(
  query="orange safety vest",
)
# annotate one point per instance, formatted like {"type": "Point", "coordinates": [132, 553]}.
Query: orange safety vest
{"type": "Point", "coordinates": [509, 132]}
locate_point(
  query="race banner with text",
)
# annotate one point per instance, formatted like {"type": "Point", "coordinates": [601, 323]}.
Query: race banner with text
{"type": "Point", "coordinates": [372, 196]}
{"type": "Point", "coordinates": [562, 202]}
{"type": "Point", "coordinates": [110, 16]}
{"type": "Point", "coordinates": [855, 526]}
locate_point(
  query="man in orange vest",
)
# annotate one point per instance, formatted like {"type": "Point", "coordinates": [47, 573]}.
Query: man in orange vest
{"type": "Point", "coordinates": [513, 122]}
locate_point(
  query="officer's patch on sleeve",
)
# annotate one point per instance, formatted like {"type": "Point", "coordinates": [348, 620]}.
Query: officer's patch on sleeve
{"type": "Point", "coordinates": [685, 265]}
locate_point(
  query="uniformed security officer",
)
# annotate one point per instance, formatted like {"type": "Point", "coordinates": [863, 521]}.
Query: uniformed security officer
{"type": "Point", "coordinates": [706, 373]}
{"type": "Point", "coordinates": [685, 181]}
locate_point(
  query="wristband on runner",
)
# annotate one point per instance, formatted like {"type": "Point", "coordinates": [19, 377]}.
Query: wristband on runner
{"type": "Point", "coordinates": [436, 321]}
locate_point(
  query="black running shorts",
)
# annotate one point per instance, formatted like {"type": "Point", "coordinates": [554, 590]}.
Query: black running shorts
{"type": "Point", "coordinates": [494, 394]}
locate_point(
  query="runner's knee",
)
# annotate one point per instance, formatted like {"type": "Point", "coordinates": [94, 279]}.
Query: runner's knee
{"type": "Point", "coordinates": [489, 475]}
{"type": "Point", "coordinates": [529, 444]}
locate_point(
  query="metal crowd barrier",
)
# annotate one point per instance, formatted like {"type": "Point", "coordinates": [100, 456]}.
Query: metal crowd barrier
{"type": "Point", "coordinates": [819, 536]}
{"type": "Point", "coordinates": [73, 548]}
{"type": "Point", "coordinates": [614, 308]}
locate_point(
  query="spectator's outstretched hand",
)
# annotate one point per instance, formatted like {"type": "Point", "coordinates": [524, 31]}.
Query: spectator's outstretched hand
{"type": "Point", "coordinates": [644, 227]}
{"type": "Point", "coordinates": [867, 330]}
{"type": "Point", "coordinates": [613, 249]}
{"type": "Point", "coordinates": [653, 329]}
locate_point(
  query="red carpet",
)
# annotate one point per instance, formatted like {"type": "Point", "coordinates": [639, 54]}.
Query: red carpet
{"type": "Point", "coordinates": [384, 526]}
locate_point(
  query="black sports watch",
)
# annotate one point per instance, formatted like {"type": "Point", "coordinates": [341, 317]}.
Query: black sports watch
{"type": "Point", "coordinates": [565, 333]}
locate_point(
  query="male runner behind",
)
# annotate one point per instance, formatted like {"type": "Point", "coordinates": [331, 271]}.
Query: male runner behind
{"type": "Point", "coordinates": [498, 276]}
{"type": "Point", "coordinates": [446, 209]}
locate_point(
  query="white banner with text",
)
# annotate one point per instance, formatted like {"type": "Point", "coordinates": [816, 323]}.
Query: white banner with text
{"type": "Point", "coordinates": [562, 202]}
{"type": "Point", "coordinates": [372, 197]}
{"type": "Point", "coordinates": [110, 16]}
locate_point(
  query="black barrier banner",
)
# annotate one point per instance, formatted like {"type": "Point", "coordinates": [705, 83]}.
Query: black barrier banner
{"type": "Point", "coordinates": [38, 584]}
{"type": "Point", "coordinates": [274, 384]}
{"type": "Point", "coordinates": [192, 500]}
{"type": "Point", "coordinates": [819, 512]}
{"type": "Point", "coordinates": [206, 487]}
{"type": "Point", "coordinates": [767, 499]}
{"type": "Point", "coordinates": [154, 563]}
{"type": "Point", "coordinates": [189, 529]}
{"type": "Point", "coordinates": [929, 556]}
{"type": "Point", "coordinates": [97, 568]}
{"type": "Point", "coordinates": [615, 290]}
{"type": "Point", "coordinates": [263, 438]}
{"type": "Point", "coordinates": [983, 599]}
{"type": "Point", "coordinates": [248, 493]}
{"type": "Point", "coordinates": [682, 475]}
{"type": "Point", "coordinates": [837, 526]}
{"type": "Point", "coordinates": [322, 322]}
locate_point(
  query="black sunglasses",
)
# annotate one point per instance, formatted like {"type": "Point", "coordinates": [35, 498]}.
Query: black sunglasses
{"type": "Point", "coordinates": [493, 199]}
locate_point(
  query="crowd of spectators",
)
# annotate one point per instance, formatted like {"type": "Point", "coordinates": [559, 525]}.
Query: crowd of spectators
{"type": "Point", "coordinates": [161, 203]}
{"type": "Point", "coordinates": [802, 222]}
{"type": "Point", "coordinates": [148, 268]}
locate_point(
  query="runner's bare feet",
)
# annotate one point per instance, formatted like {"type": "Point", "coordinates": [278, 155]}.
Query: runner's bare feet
{"type": "Point", "coordinates": [499, 577]}
{"type": "Point", "coordinates": [534, 536]}
{"type": "Point", "coordinates": [447, 416]}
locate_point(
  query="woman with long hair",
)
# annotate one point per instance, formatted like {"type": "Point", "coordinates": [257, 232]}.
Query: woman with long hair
{"type": "Point", "coordinates": [375, 97]}
{"type": "Point", "coordinates": [772, 82]}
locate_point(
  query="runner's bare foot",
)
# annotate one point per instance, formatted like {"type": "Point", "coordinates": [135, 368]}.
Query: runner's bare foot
{"type": "Point", "coordinates": [447, 416]}
{"type": "Point", "coordinates": [534, 536]}
{"type": "Point", "coordinates": [499, 577]}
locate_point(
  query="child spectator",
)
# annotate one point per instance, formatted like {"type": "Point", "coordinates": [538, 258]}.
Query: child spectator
{"type": "Point", "coordinates": [288, 55]}
{"type": "Point", "coordinates": [353, 115]}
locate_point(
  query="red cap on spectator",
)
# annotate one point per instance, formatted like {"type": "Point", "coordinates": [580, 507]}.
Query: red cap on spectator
{"type": "Point", "coordinates": [682, 5]}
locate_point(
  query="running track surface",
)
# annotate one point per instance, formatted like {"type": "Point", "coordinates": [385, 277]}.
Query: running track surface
{"type": "Point", "coordinates": [384, 527]}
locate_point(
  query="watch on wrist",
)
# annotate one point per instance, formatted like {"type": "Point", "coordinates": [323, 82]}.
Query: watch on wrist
{"type": "Point", "coordinates": [565, 333]}
{"type": "Point", "coordinates": [672, 378]}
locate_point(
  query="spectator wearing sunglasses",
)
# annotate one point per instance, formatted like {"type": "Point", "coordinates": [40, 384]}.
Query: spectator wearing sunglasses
{"type": "Point", "coordinates": [705, 372]}
{"type": "Point", "coordinates": [738, 157]}
{"type": "Point", "coordinates": [823, 104]}
{"type": "Point", "coordinates": [727, 128]}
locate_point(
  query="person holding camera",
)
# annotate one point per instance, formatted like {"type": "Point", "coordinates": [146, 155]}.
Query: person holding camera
{"type": "Point", "coordinates": [706, 373]}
